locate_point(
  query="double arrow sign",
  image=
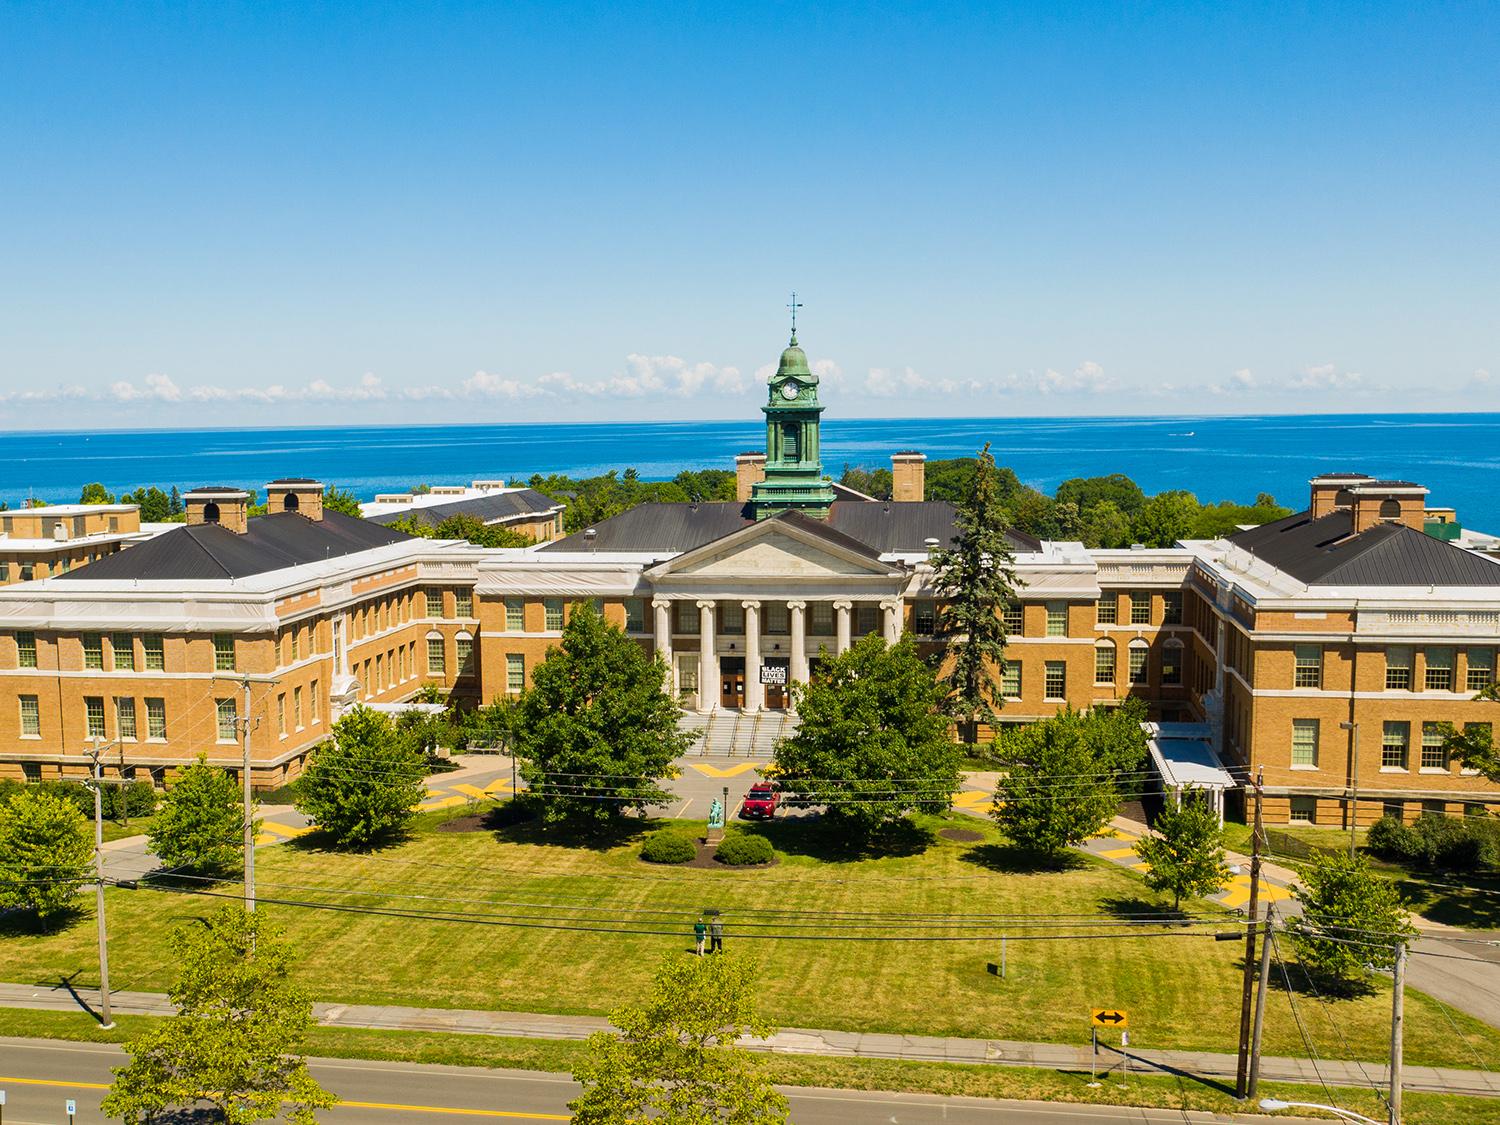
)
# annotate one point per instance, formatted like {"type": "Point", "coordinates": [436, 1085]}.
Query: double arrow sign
{"type": "Point", "coordinates": [1110, 1017]}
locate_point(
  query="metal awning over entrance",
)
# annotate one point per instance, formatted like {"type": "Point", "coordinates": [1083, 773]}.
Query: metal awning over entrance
{"type": "Point", "coordinates": [1184, 758]}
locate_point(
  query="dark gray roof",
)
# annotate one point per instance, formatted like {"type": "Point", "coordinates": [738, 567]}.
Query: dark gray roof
{"type": "Point", "coordinates": [1325, 552]}
{"type": "Point", "coordinates": [875, 525]}
{"type": "Point", "coordinates": [270, 542]}
{"type": "Point", "coordinates": [495, 506]}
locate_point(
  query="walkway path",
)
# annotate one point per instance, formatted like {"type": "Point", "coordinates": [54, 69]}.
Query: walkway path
{"type": "Point", "coordinates": [800, 1041]}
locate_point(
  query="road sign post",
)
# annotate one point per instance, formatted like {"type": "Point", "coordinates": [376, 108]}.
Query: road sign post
{"type": "Point", "coordinates": [72, 1107]}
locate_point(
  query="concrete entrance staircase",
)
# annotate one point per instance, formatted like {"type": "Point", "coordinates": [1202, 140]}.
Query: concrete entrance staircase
{"type": "Point", "coordinates": [738, 734]}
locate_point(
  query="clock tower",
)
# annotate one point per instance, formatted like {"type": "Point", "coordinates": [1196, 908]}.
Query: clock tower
{"type": "Point", "coordinates": [794, 465]}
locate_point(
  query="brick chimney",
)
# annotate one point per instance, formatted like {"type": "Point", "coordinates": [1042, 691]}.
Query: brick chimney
{"type": "Point", "coordinates": [227, 507]}
{"type": "Point", "coordinates": [749, 470]}
{"type": "Point", "coordinates": [295, 494]}
{"type": "Point", "coordinates": [1331, 491]}
{"type": "Point", "coordinates": [1389, 501]}
{"type": "Point", "coordinates": [908, 476]}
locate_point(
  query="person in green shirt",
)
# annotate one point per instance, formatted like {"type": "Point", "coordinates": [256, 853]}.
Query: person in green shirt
{"type": "Point", "coordinates": [700, 932]}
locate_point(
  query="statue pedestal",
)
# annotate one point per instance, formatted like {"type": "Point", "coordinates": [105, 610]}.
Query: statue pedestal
{"type": "Point", "coordinates": [714, 836]}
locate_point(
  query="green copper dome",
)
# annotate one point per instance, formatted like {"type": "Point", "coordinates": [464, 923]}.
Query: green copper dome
{"type": "Point", "coordinates": [794, 362]}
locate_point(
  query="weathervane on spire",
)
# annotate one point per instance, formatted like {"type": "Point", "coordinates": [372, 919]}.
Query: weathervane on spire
{"type": "Point", "coordinates": [794, 305]}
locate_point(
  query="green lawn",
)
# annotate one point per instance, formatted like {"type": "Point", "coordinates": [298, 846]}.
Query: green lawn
{"type": "Point", "coordinates": [1180, 991]}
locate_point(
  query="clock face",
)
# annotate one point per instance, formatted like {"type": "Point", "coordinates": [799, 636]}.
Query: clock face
{"type": "Point", "coordinates": [790, 389]}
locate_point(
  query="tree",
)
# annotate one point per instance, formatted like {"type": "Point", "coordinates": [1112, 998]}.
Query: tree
{"type": "Point", "coordinates": [872, 482]}
{"type": "Point", "coordinates": [1343, 902]}
{"type": "Point", "coordinates": [1104, 525]}
{"type": "Point", "coordinates": [873, 744]}
{"type": "Point", "coordinates": [1473, 747]}
{"type": "Point", "coordinates": [1089, 492]}
{"type": "Point", "coordinates": [974, 580]}
{"type": "Point", "coordinates": [200, 825]}
{"type": "Point", "coordinates": [1055, 791]}
{"type": "Point", "coordinates": [237, 1038]}
{"type": "Point", "coordinates": [46, 853]}
{"type": "Point", "coordinates": [1185, 853]}
{"type": "Point", "coordinates": [338, 500]}
{"type": "Point", "coordinates": [362, 785]}
{"type": "Point", "coordinates": [96, 493]}
{"type": "Point", "coordinates": [595, 732]}
{"type": "Point", "coordinates": [1165, 518]}
{"type": "Point", "coordinates": [155, 505]}
{"type": "Point", "coordinates": [175, 506]}
{"type": "Point", "coordinates": [675, 1059]}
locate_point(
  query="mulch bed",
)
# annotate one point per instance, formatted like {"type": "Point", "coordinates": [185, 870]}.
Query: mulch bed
{"type": "Point", "coordinates": [473, 823]}
{"type": "Point", "coordinates": [961, 835]}
{"type": "Point", "coordinates": [705, 858]}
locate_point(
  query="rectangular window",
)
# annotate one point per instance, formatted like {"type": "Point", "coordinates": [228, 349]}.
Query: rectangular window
{"type": "Point", "coordinates": [156, 718]}
{"type": "Point", "coordinates": [1138, 670]}
{"type": "Point", "coordinates": [315, 705]}
{"type": "Point", "coordinates": [1304, 742]}
{"type": "Point", "coordinates": [93, 716]}
{"type": "Point", "coordinates": [1304, 810]}
{"type": "Point", "coordinates": [777, 619]}
{"type": "Point", "coordinates": [437, 660]}
{"type": "Point", "coordinates": [1398, 668]}
{"type": "Point", "coordinates": [820, 619]}
{"type": "Point", "coordinates": [1394, 739]}
{"type": "Point", "coordinates": [296, 645]}
{"type": "Point", "coordinates": [1014, 618]}
{"type": "Point", "coordinates": [923, 618]}
{"type": "Point", "coordinates": [1107, 610]}
{"type": "Point", "coordinates": [687, 673]}
{"type": "Point", "coordinates": [731, 618]}
{"type": "Point", "coordinates": [281, 714]}
{"type": "Point", "coordinates": [1104, 664]}
{"type": "Point", "coordinates": [1171, 664]}
{"type": "Point", "coordinates": [1439, 675]}
{"type": "Point", "coordinates": [515, 615]}
{"type": "Point", "coordinates": [1396, 810]}
{"type": "Point", "coordinates": [1057, 619]}
{"type": "Point", "coordinates": [93, 650]}
{"type": "Point", "coordinates": [25, 650]}
{"type": "Point", "coordinates": [1434, 753]}
{"type": "Point", "coordinates": [464, 651]}
{"type": "Point", "coordinates": [122, 652]}
{"type": "Point", "coordinates": [1171, 607]}
{"type": "Point", "coordinates": [1140, 607]}
{"type": "Point", "coordinates": [1434, 808]}
{"type": "Point", "coordinates": [31, 717]}
{"type": "Point", "coordinates": [223, 652]}
{"type": "Point", "coordinates": [1010, 680]}
{"type": "Point", "coordinates": [27, 572]}
{"type": "Point", "coordinates": [224, 710]}
{"type": "Point", "coordinates": [1056, 680]}
{"type": "Point", "coordinates": [432, 602]}
{"type": "Point", "coordinates": [297, 707]}
{"type": "Point", "coordinates": [635, 615]}
{"type": "Point", "coordinates": [463, 602]}
{"type": "Point", "coordinates": [515, 672]}
{"type": "Point", "coordinates": [1481, 672]}
{"type": "Point", "coordinates": [125, 718]}
{"type": "Point", "coordinates": [552, 613]}
{"type": "Point", "coordinates": [154, 652]}
{"type": "Point", "coordinates": [1308, 669]}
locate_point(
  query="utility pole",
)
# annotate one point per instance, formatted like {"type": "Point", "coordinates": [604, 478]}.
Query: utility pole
{"type": "Point", "coordinates": [1260, 1002]}
{"type": "Point", "coordinates": [1398, 1004]}
{"type": "Point", "coordinates": [1242, 1075]}
{"type": "Point", "coordinates": [106, 1019]}
{"type": "Point", "coordinates": [249, 804]}
{"type": "Point", "coordinates": [1353, 729]}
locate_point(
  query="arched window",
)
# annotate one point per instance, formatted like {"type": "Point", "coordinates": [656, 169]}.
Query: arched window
{"type": "Point", "coordinates": [289, 504]}
{"type": "Point", "coordinates": [1390, 509]}
{"type": "Point", "coordinates": [1343, 498]}
{"type": "Point", "coordinates": [210, 512]}
{"type": "Point", "coordinates": [790, 433]}
{"type": "Point", "coordinates": [1139, 651]}
{"type": "Point", "coordinates": [1104, 662]}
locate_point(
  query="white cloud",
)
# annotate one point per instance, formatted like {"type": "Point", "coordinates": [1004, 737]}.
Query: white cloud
{"type": "Point", "coordinates": [1088, 377]}
{"type": "Point", "coordinates": [1325, 377]}
{"type": "Point", "coordinates": [885, 382]}
{"type": "Point", "coordinates": [1480, 378]}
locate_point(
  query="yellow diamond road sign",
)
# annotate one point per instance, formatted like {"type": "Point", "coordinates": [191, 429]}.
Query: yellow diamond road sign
{"type": "Point", "coordinates": [1110, 1017]}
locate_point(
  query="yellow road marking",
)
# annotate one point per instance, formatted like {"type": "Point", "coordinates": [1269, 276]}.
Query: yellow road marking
{"type": "Point", "coordinates": [470, 790]}
{"type": "Point", "coordinates": [1239, 892]}
{"type": "Point", "coordinates": [506, 1113]}
{"type": "Point", "coordinates": [498, 785]}
{"type": "Point", "coordinates": [444, 803]}
{"type": "Point", "coordinates": [284, 829]}
{"type": "Point", "coordinates": [1119, 853]}
{"type": "Point", "coordinates": [732, 771]}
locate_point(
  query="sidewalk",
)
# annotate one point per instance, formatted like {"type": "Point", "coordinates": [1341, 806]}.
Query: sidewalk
{"type": "Point", "coordinates": [800, 1041]}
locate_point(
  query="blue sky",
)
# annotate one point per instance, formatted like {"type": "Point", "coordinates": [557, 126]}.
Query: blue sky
{"type": "Point", "coordinates": [253, 214]}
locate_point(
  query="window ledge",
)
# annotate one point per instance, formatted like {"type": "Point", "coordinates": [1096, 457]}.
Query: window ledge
{"type": "Point", "coordinates": [1433, 769]}
{"type": "Point", "coordinates": [1394, 769]}
{"type": "Point", "coordinates": [1305, 769]}
{"type": "Point", "coordinates": [31, 737]}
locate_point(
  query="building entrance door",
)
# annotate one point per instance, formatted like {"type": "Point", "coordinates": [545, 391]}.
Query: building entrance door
{"type": "Point", "coordinates": [777, 698]}
{"type": "Point", "coordinates": [732, 682]}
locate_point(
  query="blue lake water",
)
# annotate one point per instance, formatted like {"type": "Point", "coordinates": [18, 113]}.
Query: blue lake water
{"type": "Point", "coordinates": [1216, 457]}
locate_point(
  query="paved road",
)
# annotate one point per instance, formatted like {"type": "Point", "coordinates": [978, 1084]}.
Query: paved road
{"type": "Point", "coordinates": [39, 1075]}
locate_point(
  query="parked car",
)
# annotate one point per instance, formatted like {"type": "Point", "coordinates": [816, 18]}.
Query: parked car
{"type": "Point", "coordinates": [761, 801]}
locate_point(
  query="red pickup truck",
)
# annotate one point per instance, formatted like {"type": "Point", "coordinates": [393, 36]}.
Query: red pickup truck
{"type": "Point", "coordinates": [761, 801]}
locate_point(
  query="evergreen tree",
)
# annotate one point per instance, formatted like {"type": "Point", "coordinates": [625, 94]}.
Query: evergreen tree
{"type": "Point", "coordinates": [1184, 854]}
{"type": "Point", "coordinates": [675, 1059]}
{"type": "Point", "coordinates": [1055, 791]}
{"type": "Point", "coordinates": [974, 580]}
{"type": "Point", "coordinates": [46, 853]}
{"type": "Point", "coordinates": [595, 732]}
{"type": "Point", "coordinates": [200, 825]}
{"type": "Point", "coordinates": [175, 506]}
{"type": "Point", "coordinates": [1342, 899]}
{"type": "Point", "coordinates": [237, 1039]}
{"type": "Point", "coordinates": [873, 744]}
{"type": "Point", "coordinates": [363, 784]}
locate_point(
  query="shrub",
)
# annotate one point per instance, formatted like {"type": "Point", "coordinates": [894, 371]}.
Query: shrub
{"type": "Point", "coordinates": [744, 850]}
{"type": "Point", "coordinates": [1390, 839]}
{"type": "Point", "coordinates": [1438, 843]}
{"type": "Point", "coordinates": [668, 846]}
{"type": "Point", "coordinates": [118, 801]}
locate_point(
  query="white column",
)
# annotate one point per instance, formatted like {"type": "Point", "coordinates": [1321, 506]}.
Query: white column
{"type": "Point", "coordinates": [663, 607]}
{"type": "Point", "coordinates": [708, 660]}
{"type": "Point", "coordinates": [842, 608]}
{"type": "Point", "coordinates": [891, 615]}
{"type": "Point", "coordinates": [797, 673]}
{"type": "Point", "coordinates": [755, 693]}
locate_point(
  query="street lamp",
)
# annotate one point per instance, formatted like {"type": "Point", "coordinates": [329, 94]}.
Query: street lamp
{"type": "Point", "coordinates": [1271, 1105]}
{"type": "Point", "coordinates": [1353, 729]}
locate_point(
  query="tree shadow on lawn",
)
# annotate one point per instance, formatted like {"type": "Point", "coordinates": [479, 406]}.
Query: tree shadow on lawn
{"type": "Point", "coordinates": [1476, 905]}
{"type": "Point", "coordinates": [1136, 908]}
{"type": "Point", "coordinates": [1008, 859]}
{"type": "Point", "coordinates": [816, 837]}
{"type": "Point", "coordinates": [518, 822]}
{"type": "Point", "coordinates": [25, 923]}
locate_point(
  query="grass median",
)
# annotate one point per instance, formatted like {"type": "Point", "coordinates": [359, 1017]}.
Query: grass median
{"type": "Point", "coordinates": [519, 890]}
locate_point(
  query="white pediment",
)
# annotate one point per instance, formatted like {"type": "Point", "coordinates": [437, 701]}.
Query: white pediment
{"type": "Point", "coordinates": [772, 551]}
